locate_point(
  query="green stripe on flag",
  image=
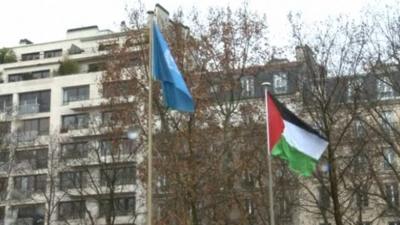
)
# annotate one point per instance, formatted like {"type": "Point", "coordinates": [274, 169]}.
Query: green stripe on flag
{"type": "Point", "coordinates": [298, 161]}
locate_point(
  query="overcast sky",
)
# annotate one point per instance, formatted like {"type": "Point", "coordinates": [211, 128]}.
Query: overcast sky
{"type": "Point", "coordinates": [48, 20]}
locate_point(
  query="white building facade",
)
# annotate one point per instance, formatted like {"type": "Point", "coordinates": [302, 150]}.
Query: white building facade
{"type": "Point", "coordinates": [50, 170]}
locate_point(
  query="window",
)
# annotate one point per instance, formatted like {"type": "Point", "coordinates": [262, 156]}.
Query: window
{"type": "Point", "coordinates": [122, 206]}
{"type": "Point", "coordinates": [247, 85]}
{"type": "Point", "coordinates": [28, 184]}
{"type": "Point", "coordinates": [29, 76]}
{"type": "Point", "coordinates": [30, 56]}
{"type": "Point", "coordinates": [71, 210]}
{"type": "Point", "coordinates": [360, 162]}
{"type": "Point", "coordinates": [74, 150]}
{"type": "Point", "coordinates": [4, 157]}
{"type": "Point", "coordinates": [77, 121]}
{"type": "Point", "coordinates": [384, 88]}
{"type": "Point", "coordinates": [2, 214]}
{"type": "Point", "coordinates": [392, 194]}
{"type": "Point", "coordinates": [106, 46]}
{"type": "Point", "coordinates": [73, 179]}
{"type": "Point", "coordinates": [353, 88]}
{"type": "Point", "coordinates": [388, 158]}
{"type": "Point", "coordinates": [124, 175]}
{"type": "Point", "coordinates": [388, 119]}
{"type": "Point", "coordinates": [53, 53]}
{"type": "Point", "coordinates": [280, 83]}
{"type": "Point", "coordinates": [248, 179]}
{"type": "Point", "coordinates": [249, 207]}
{"type": "Point", "coordinates": [34, 102]}
{"type": "Point", "coordinates": [324, 198]}
{"type": "Point", "coordinates": [117, 147]}
{"type": "Point", "coordinates": [34, 159]}
{"type": "Point", "coordinates": [30, 214]}
{"type": "Point", "coordinates": [358, 129]}
{"type": "Point", "coordinates": [94, 67]}
{"type": "Point", "coordinates": [6, 104]}
{"type": "Point", "coordinates": [35, 126]}
{"type": "Point", "coordinates": [114, 118]}
{"type": "Point", "coordinates": [5, 128]}
{"type": "Point", "coordinates": [3, 188]}
{"type": "Point", "coordinates": [362, 197]}
{"type": "Point", "coordinates": [162, 183]}
{"type": "Point", "coordinates": [72, 94]}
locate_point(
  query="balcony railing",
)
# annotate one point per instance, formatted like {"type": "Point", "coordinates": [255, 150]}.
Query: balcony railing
{"type": "Point", "coordinates": [28, 135]}
{"type": "Point", "coordinates": [28, 108]}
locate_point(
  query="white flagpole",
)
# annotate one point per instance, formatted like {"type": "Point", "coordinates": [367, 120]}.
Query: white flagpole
{"type": "Point", "coordinates": [270, 181]}
{"type": "Point", "coordinates": [150, 130]}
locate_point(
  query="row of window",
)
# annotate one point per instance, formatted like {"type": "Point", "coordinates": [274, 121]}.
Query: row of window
{"type": "Point", "coordinates": [362, 196]}
{"type": "Point", "coordinates": [39, 101]}
{"type": "Point", "coordinates": [109, 177]}
{"type": "Point", "coordinates": [279, 84]}
{"type": "Point", "coordinates": [46, 54]}
{"type": "Point", "coordinates": [118, 206]}
{"type": "Point", "coordinates": [38, 158]}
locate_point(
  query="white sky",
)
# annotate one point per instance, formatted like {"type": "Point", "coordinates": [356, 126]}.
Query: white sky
{"type": "Point", "coordinates": [48, 20]}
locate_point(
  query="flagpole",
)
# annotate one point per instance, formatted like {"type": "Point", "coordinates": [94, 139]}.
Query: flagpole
{"type": "Point", "coordinates": [150, 131]}
{"type": "Point", "coordinates": [270, 181]}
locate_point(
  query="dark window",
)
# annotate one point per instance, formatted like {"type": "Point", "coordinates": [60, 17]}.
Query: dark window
{"type": "Point", "coordinates": [94, 67]}
{"type": "Point", "coordinates": [4, 157]}
{"type": "Point", "coordinates": [29, 76]}
{"type": "Point", "coordinates": [30, 214]}
{"type": "Point", "coordinates": [324, 198]}
{"type": "Point", "coordinates": [118, 176]}
{"type": "Point", "coordinates": [30, 56]}
{"type": "Point", "coordinates": [117, 147]}
{"type": "Point", "coordinates": [392, 194]}
{"type": "Point", "coordinates": [71, 210]}
{"type": "Point", "coordinates": [34, 159]}
{"type": "Point", "coordinates": [107, 46]}
{"type": "Point", "coordinates": [76, 121]}
{"type": "Point", "coordinates": [249, 207]}
{"type": "Point", "coordinates": [122, 206]}
{"type": "Point", "coordinates": [34, 102]}
{"type": "Point", "coordinates": [389, 160]}
{"type": "Point", "coordinates": [35, 127]}
{"type": "Point", "coordinates": [3, 188]}
{"type": "Point", "coordinates": [362, 197]}
{"type": "Point", "coordinates": [5, 128]}
{"type": "Point", "coordinates": [28, 184]}
{"type": "Point", "coordinates": [280, 83]}
{"type": "Point", "coordinates": [247, 85]}
{"type": "Point", "coordinates": [79, 93]}
{"type": "Point", "coordinates": [6, 104]}
{"type": "Point", "coordinates": [72, 179]}
{"type": "Point", "coordinates": [53, 53]}
{"type": "Point", "coordinates": [2, 214]}
{"type": "Point", "coordinates": [74, 150]}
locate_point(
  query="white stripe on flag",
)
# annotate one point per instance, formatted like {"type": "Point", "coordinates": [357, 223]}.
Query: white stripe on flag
{"type": "Point", "coordinates": [304, 141]}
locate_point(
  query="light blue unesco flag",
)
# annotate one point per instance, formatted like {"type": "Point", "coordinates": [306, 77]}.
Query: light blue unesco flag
{"type": "Point", "coordinates": [176, 93]}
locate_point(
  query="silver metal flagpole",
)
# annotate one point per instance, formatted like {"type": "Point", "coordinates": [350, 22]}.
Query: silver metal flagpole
{"type": "Point", "coordinates": [150, 130]}
{"type": "Point", "coordinates": [270, 181]}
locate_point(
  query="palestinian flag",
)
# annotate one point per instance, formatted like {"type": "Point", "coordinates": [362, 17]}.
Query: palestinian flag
{"type": "Point", "coordinates": [293, 140]}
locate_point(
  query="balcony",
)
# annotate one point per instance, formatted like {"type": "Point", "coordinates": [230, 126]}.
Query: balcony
{"type": "Point", "coordinates": [28, 108]}
{"type": "Point", "coordinates": [28, 136]}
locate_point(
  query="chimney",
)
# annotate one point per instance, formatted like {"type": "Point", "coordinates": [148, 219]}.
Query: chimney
{"type": "Point", "coordinates": [302, 52]}
{"type": "Point", "coordinates": [25, 42]}
{"type": "Point", "coordinates": [123, 26]}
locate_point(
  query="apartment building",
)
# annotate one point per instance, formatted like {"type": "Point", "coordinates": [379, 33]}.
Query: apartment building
{"type": "Point", "coordinates": [53, 168]}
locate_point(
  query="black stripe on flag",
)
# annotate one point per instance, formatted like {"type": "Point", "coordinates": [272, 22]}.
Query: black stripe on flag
{"type": "Point", "coordinates": [292, 118]}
